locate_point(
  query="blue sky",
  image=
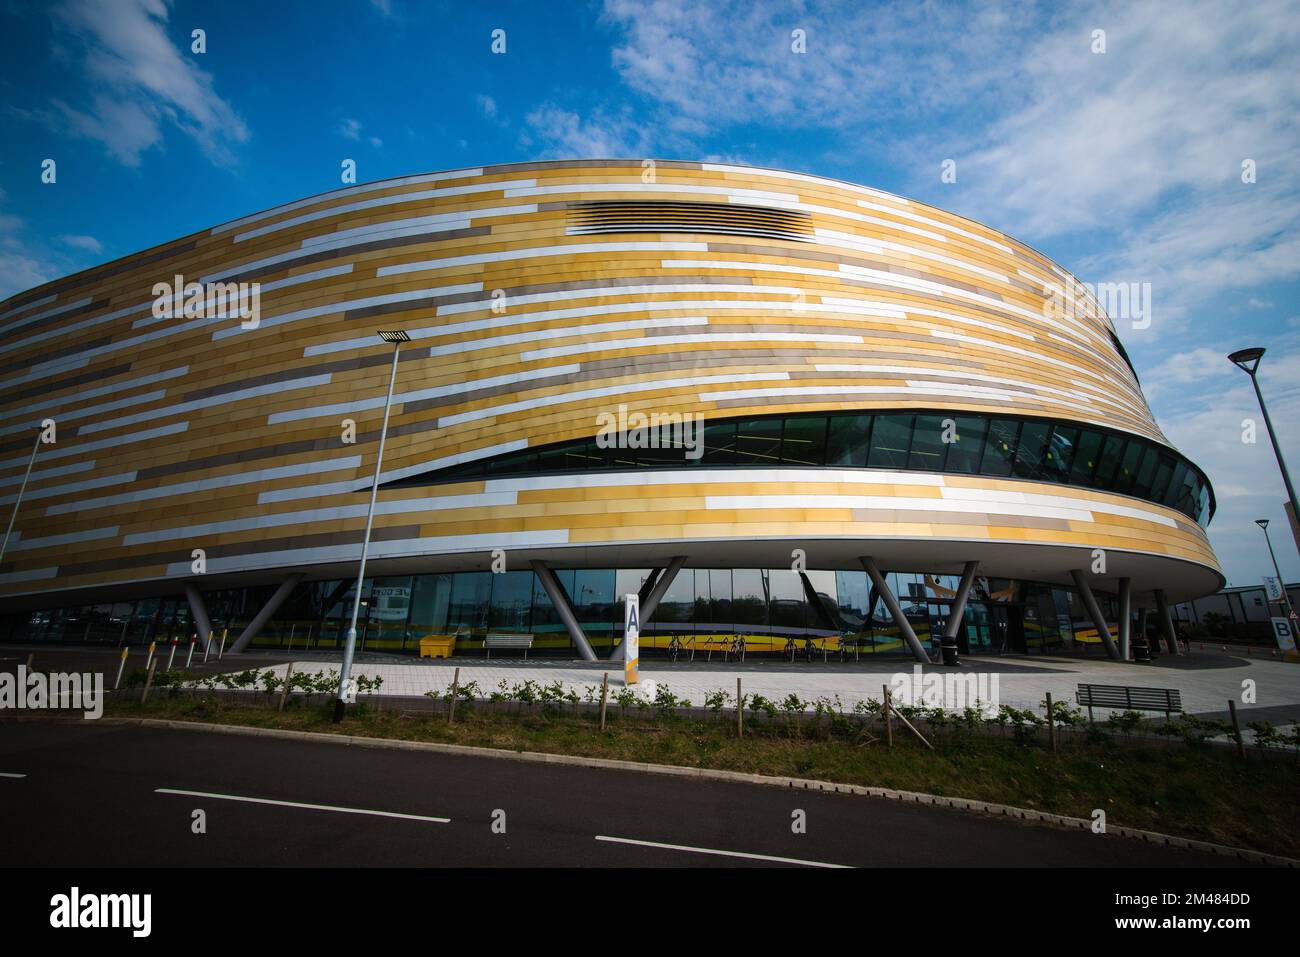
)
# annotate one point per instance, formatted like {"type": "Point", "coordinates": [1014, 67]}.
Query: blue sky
{"type": "Point", "coordinates": [1124, 166]}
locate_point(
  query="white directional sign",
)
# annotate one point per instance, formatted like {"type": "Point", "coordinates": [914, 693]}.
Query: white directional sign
{"type": "Point", "coordinates": [1273, 587]}
{"type": "Point", "coordinates": [1282, 632]}
{"type": "Point", "coordinates": [631, 638]}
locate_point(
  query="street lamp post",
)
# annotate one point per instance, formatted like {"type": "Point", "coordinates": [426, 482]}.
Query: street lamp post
{"type": "Point", "coordinates": [13, 516]}
{"type": "Point", "coordinates": [1248, 361]}
{"type": "Point", "coordinates": [349, 648]}
{"type": "Point", "coordinates": [1286, 598]}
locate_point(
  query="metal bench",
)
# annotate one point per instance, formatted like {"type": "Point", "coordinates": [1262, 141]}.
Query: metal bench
{"type": "Point", "coordinates": [508, 641]}
{"type": "Point", "coordinates": [1167, 700]}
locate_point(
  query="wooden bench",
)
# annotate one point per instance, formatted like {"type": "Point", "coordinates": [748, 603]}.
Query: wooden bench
{"type": "Point", "coordinates": [509, 641]}
{"type": "Point", "coordinates": [437, 646]}
{"type": "Point", "coordinates": [1167, 700]}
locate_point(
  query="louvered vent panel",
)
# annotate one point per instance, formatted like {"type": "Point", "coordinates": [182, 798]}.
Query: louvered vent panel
{"type": "Point", "coordinates": [727, 219]}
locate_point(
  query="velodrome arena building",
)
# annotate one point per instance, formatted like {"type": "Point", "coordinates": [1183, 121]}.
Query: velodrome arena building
{"type": "Point", "coordinates": [902, 441]}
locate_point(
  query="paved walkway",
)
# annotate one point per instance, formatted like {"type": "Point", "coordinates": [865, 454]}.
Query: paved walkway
{"type": "Point", "coordinates": [1206, 679]}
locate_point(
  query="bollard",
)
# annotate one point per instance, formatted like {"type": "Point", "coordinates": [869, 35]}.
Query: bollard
{"type": "Point", "coordinates": [144, 695]}
{"type": "Point", "coordinates": [171, 657]}
{"type": "Point", "coordinates": [190, 657]}
{"type": "Point", "coordinates": [30, 658]}
{"type": "Point", "coordinates": [222, 650]}
{"type": "Point", "coordinates": [604, 698]}
{"type": "Point", "coordinates": [740, 711]}
{"type": "Point", "coordinates": [455, 687]}
{"type": "Point", "coordinates": [284, 692]}
{"type": "Point", "coordinates": [889, 718]}
{"type": "Point", "coordinates": [1236, 729]}
{"type": "Point", "coordinates": [1051, 723]}
{"type": "Point", "coordinates": [206, 645]}
{"type": "Point", "coordinates": [149, 661]}
{"type": "Point", "coordinates": [120, 666]}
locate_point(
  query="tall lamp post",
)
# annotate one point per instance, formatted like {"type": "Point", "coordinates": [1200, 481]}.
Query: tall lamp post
{"type": "Point", "coordinates": [1286, 598]}
{"type": "Point", "coordinates": [349, 648]}
{"type": "Point", "coordinates": [1248, 360]}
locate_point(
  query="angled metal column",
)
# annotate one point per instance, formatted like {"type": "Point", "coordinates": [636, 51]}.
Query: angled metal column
{"type": "Point", "coordinates": [887, 596]}
{"type": "Point", "coordinates": [200, 612]}
{"type": "Point", "coordinates": [270, 608]}
{"type": "Point", "coordinates": [958, 608]}
{"type": "Point", "coordinates": [1125, 617]}
{"type": "Point", "coordinates": [1166, 622]}
{"type": "Point", "coordinates": [562, 607]}
{"type": "Point", "coordinates": [1094, 612]}
{"type": "Point", "coordinates": [651, 602]}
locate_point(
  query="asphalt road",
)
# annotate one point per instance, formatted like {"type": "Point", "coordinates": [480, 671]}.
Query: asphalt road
{"type": "Point", "coordinates": [88, 794]}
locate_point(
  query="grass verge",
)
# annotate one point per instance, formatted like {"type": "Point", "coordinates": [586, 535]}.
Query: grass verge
{"type": "Point", "coordinates": [1202, 793]}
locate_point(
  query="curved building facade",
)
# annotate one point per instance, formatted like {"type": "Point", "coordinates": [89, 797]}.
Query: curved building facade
{"type": "Point", "coordinates": [838, 374]}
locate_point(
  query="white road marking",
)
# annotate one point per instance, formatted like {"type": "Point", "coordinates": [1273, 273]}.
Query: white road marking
{"type": "Point", "coordinates": [308, 807]}
{"type": "Point", "coordinates": [709, 850]}
{"type": "Point", "coordinates": [9, 774]}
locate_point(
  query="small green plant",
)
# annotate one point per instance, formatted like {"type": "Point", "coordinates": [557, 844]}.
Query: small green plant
{"type": "Point", "coordinates": [1125, 721]}
{"type": "Point", "coordinates": [715, 701]}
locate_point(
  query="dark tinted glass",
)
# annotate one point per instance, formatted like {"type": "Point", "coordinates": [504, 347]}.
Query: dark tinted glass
{"type": "Point", "coordinates": [1146, 472]}
{"type": "Point", "coordinates": [1000, 447]}
{"type": "Point", "coordinates": [928, 450]}
{"type": "Point", "coordinates": [1164, 475]}
{"type": "Point", "coordinates": [1128, 466]}
{"type": "Point", "coordinates": [847, 441]}
{"type": "Point", "coordinates": [890, 438]}
{"type": "Point", "coordinates": [1108, 464]}
{"type": "Point", "coordinates": [1086, 453]}
{"type": "Point", "coordinates": [1059, 454]}
{"type": "Point", "coordinates": [968, 442]}
{"type": "Point", "coordinates": [804, 440]}
{"type": "Point", "coordinates": [719, 444]}
{"type": "Point", "coordinates": [1029, 452]}
{"type": "Point", "coordinates": [758, 442]}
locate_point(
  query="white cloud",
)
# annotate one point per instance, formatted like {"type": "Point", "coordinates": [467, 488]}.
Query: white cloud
{"type": "Point", "coordinates": [487, 106]}
{"type": "Point", "coordinates": [559, 134]}
{"type": "Point", "coordinates": [350, 129]}
{"type": "Point", "coordinates": [139, 82]}
{"type": "Point", "coordinates": [88, 243]}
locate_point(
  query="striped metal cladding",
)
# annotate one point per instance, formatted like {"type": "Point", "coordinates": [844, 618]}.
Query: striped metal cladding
{"type": "Point", "coordinates": [193, 432]}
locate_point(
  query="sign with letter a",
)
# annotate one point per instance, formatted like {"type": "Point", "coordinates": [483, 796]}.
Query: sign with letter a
{"type": "Point", "coordinates": [631, 638]}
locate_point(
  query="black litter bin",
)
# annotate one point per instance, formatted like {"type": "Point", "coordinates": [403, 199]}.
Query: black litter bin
{"type": "Point", "coordinates": [950, 654]}
{"type": "Point", "coordinates": [1141, 650]}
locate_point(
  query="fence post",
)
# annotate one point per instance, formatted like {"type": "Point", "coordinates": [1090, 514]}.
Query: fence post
{"type": "Point", "coordinates": [1051, 723]}
{"type": "Point", "coordinates": [292, 628]}
{"type": "Point", "coordinates": [740, 711]}
{"type": "Point", "coordinates": [1236, 729]}
{"type": "Point", "coordinates": [455, 687]}
{"type": "Point", "coordinates": [120, 666]}
{"type": "Point", "coordinates": [284, 692]}
{"type": "Point", "coordinates": [148, 681]}
{"type": "Point", "coordinates": [889, 718]}
{"type": "Point", "coordinates": [604, 698]}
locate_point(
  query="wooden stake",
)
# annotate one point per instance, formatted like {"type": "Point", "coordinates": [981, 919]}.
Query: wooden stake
{"type": "Point", "coordinates": [148, 681]}
{"type": "Point", "coordinates": [284, 692]}
{"type": "Point", "coordinates": [889, 722]}
{"type": "Point", "coordinates": [1236, 729]}
{"type": "Point", "coordinates": [740, 711]}
{"type": "Point", "coordinates": [604, 698]}
{"type": "Point", "coordinates": [1051, 723]}
{"type": "Point", "coordinates": [455, 687]}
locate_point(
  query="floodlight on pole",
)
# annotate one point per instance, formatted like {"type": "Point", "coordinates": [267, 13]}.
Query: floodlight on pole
{"type": "Point", "coordinates": [396, 337]}
{"type": "Point", "coordinates": [1248, 361]}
